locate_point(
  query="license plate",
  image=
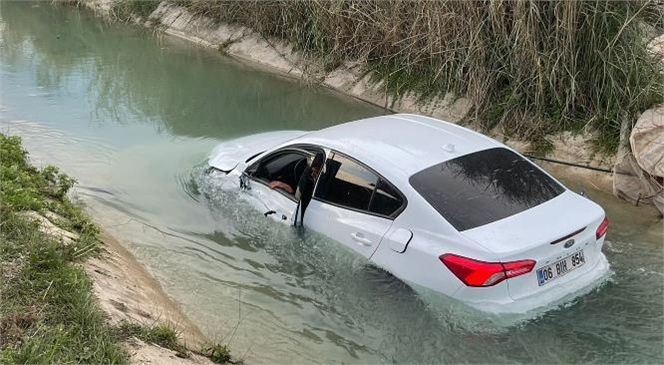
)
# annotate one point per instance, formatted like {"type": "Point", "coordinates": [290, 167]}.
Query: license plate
{"type": "Point", "coordinates": [560, 268]}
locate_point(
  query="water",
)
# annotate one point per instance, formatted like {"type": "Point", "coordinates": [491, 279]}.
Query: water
{"type": "Point", "coordinates": [133, 115]}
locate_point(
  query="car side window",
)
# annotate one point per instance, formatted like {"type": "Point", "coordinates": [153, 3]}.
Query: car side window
{"type": "Point", "coordinates": [286, 166]}
{"type": "Point", "coordinates": [346, 183]}
{"type": "Point", "coordinates": [386, 200]}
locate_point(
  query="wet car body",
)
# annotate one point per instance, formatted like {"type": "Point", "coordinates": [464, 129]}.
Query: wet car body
{"type": "Point", "coordinates": [435, 204]}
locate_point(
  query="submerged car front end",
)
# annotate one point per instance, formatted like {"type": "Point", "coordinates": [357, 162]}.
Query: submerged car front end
{"type": "Point", "coordinates": [238, 152]}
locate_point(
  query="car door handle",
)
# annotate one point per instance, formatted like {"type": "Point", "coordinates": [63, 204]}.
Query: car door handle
{"type": "Point", "coordinates": [359, 238]}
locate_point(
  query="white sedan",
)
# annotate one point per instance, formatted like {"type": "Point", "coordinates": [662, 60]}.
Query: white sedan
{"type": "Point", "coordinates": [437, 205]}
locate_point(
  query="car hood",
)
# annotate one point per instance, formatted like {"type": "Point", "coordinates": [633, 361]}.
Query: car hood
{"type": "Point", "coordinates": [227, 155]}
{"type": "Point", "coordinates": [539, 225]}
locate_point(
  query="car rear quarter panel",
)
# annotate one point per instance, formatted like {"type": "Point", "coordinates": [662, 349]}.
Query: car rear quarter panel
{"type": "Point", "coordinates": [432, 237]}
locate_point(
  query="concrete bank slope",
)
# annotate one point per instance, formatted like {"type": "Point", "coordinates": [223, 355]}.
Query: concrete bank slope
{"type": "Point", "coordinates": [127, 292]}
{"type": "Point", "coordinates": [350, 79]}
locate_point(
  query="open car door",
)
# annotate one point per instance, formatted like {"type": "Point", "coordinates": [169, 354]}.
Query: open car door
{"type": "Point", "coordinates": [285, 166]}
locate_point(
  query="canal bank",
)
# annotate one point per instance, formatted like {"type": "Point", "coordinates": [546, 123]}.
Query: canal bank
{"type": "Point", "coordinates": [572, 155]}
{"type": "Point", "coordinates": [53, 258]}
{"type": "Point", "coordinates": [97, 99]}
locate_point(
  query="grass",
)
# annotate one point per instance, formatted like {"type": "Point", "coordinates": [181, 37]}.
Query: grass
{"type": "Point", "coordinates": [167, 336]}
{"type": "Point", "coordinates": [163, 335]}
{"type": "Point", "coordinates": [48, 313]}
{"type": "Point", "coordinates": [531, 68]}
{"type": "Point", "coordinates": [219, 354]}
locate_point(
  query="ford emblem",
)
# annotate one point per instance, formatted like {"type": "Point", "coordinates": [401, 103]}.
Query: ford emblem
{"type": "Point", "coordinates": [569, 243]}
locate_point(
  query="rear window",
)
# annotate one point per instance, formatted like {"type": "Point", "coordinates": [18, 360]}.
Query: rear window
{"type": "Point", "coordinates": [483, 187]}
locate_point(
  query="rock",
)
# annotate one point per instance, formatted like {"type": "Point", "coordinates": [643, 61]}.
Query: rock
{"type": "Point", "coordinates": [647, 141]}
{"type": "Point", "coordinates": [657, 46]}
{"type": "Point", "coordinates": [633, 184]}
{"type": "Point", "coordinates": [639, 172]}
{"type": "Point", "coordinates": [53, 217]}
{"type": "Point", "coordinates": [47, 227]}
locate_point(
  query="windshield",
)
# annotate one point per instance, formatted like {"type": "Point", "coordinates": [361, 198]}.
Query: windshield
{"type": "Point", "coordinates": [483, 187]}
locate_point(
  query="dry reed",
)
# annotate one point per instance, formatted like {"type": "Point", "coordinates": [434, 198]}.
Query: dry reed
{"type": "Point", "coordinates": [533, 68]}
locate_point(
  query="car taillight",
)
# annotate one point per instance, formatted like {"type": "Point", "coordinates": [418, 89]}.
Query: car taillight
{"type": "Point", "coordinates": [480, 273]}
{"type": "Point", "coordinates": [603, 227]}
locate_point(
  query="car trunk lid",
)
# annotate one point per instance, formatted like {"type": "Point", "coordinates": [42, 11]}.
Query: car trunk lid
{"type": "Point", "coordinates": [547, 233]}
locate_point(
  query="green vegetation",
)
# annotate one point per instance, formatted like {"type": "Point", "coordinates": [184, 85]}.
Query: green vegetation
{"type": "Point", "coordinates": [219, 354]}
{"type": "Point", "coordinates": [533, 68]}
{"type": "Point", "coordinates": [166, 336]}
{"type": "Point", "coordinates": [163, 335]}
{"type": "Point", "coordinates": [124, 9]}
{"type": "Point", "coordinates": [48, 313]}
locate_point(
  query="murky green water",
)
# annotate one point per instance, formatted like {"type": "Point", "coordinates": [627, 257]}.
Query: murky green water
{"type": "Point", "coordinates": [133, 116]}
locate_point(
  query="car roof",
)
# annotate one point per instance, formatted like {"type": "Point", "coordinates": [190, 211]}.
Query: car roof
{"type": "Point", "coordinates": [400, 145]}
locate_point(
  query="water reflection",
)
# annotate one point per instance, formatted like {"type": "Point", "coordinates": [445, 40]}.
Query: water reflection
{"type": "Point", "coordinates": [483, 187]}
{"type": "Point", "coordinates": [502, 173]}
{"type": "Point", "coordinates": [188, 93]}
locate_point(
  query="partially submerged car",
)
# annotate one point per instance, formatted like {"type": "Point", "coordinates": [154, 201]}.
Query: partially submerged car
{"type": "Point", "coordinates": [435, 204]}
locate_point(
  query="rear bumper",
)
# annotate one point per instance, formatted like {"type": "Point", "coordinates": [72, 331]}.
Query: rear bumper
{"type": "Point", "coordinates": [557, 295]}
